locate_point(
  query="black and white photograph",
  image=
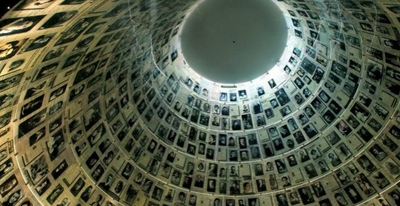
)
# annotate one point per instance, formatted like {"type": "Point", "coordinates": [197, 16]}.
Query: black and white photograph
{"type": "Point", "coordinates": [58, 19]}
{"type": "Point", "coordinates": [136, 113]}
{"type": "Point", "coordinates": [18, 25]}
{"type": "Point", "coordinates": [306, 195]}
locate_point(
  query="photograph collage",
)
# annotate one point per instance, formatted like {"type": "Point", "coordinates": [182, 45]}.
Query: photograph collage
{"type": "Point", "coordinates": [98, 106]}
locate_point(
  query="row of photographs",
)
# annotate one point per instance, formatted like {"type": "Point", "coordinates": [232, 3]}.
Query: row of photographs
{"type": "Point", "coordinates": [40, 167]}
{"type": "Point", "coordinates": [379, 180]}
{"type": "Point", "coordinates": [116, 129]}
{"type": "Point", "coordinates": [359, 114]}
{"type": "Point", "coordinates": [394, 87]}
{"type": "Point", "coordinates": [353, 169]}
{"type": "Point", "coordinates": [113, 186]}
{"type": "Point", "coordinates": [55, 146]}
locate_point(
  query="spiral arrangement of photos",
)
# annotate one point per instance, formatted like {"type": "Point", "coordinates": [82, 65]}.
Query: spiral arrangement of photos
{"type": "Point", "coordinates": [98, 107]}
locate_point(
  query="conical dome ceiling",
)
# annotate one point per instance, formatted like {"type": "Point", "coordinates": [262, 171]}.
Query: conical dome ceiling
{"type": "Point", "coordinates": [101, 103]}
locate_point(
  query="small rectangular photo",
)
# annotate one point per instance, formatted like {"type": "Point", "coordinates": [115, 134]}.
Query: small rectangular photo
{"type": "Point", "coordinates": [9, 49]}
{"type": "Point", "coordinates": [18, 25]}
{"type": "Point", "coordinates": [223, 97]}
{"type": "Point", "coordinates": [13, 198]}
{"type": "Point", "coordinates": [57, 191]}
{"type": "Point", "coordinates": [58, 19]}
{"type": "Point", "coordinates": [72, 2]}
{"type": "Point", "coordinates": [269, 113]}
{"type": "Point", "coordinates": [33, 4]}
{"type": "Point", "coordinates": [242, 94]}
{"type": "Point", "coordinates": [38, 42]}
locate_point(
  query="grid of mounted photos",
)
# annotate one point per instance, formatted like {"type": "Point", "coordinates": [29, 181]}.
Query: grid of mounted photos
{"type": "Point", "coordinates": [97, 107]}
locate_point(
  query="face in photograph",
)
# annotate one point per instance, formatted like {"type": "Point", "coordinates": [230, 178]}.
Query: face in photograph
{"type": "Point", "coordinates": [55, 145]}
{"type": "Point", "coordinates": [18, 25]}
{"type": "Point", "coordinates": [392, 167]}
{"type": "Point", "coordinates": [299, 137]}
{"type": "Point", "coordinates": [34, 4]}
{"type": "Point", "coordinates": [294, 198]}
{"type": "Point", "coordinates": [131, 194]}
{"type": "Point", "coordinates": [280, 166]}
{"type": "Point", "coordinates": [197, 89]}
{"type": "Point", "coordinates": [38, 169]}
{"type": "Point", "coordinates": [71, 60]}
{"type": "Point", "coordinates": [299, 83]}
{"type": "Point", "coordinates": [72, 2]}
{"type": "Point", "coordinates": [231, 141]}
{"type": "Point", "coordinates": [269, 113]}
{"type": "Point", "coordinates": [233, 156]}
{"type": "Point", "coordinates": [84, 43]}
{"type": "Point", "coordinates": [56, 123]}
{"type": "Point", "coordinates": [307, 65]}
{"type": "Point", "coordinates": [30, 123]}
{"type": "Point", "coordinates": [89, 57]}
{"type": "Point", "coordinates": [242, 94]}
{"type": "Point", "coordinates": [273, 132]}
{"type": "Point", "coordinates": [54, 94]}
{"type": "Point", "coordinates": [75, 30]}
{"type": "Point", "coordinates": [292, 125]}
{"type": "Point", "coordinates": [395, 195]}
{"type": "Point", "coordinates": [260, 91]}
{"type": "Point", "coordinates": [58, 19]}
{"type": "Point", "coordinates": [328, 117]}
{"type": "Point", "coordinates": [13, 198]}
{"type": "Point", "coordinates": [284, 131]}
{"type": "Point", "coordinates": [59, 169]}
{"type": "Point", "coordinates": [343, 128]}
{"type": "Point", "coordinates": [287, 69]}
{"type": "Point", "coordinates": [310, 130]}
{"type": "Point", "coordinates": [298, 98]}
{"type": "Point", "coordinates": [340, 199]}
{"type": "Point", "coordinates": [92, 116]}
{"type": "Point", "coordinates": [274, 103]}
{"type": "Point", "coordinates": [46, 71]}
{"type": "Point", "coordinates": [176, 177]}
{"type": "Point", "coordinates": [310, 171]}
{"type": "Point", "coordinates": [87, 193]}
{"type": "Point", "coordinates": [97, 173]}
{"type": "Point", "coordinates": [236, 124]}
{"type": "Point", "coordinates": [76, 92]}
{"type": "Point", "coordinates": [225, 123]}
{"type": "Point", "coordinates": [366, 163]}
{"type": "Point", "coordinates": [95, 27]}
{"type": "Point", "coordinates": [94, 94]}
{"type": "Point", "coordinates": [55, 194]}
{"type": "Point", "coordinates": [8, 185]}
{"type": "Point", "coordinates": [31, 106]}
{"type": "Point", "coordinates": [7, 166]}
{"type": "Point", "coordinates": [117, 10]}
{"type": "Point", "coordinates": [281, 200]}
{"type": "Point", "coordinates": [223, 96]}
{"type": "Point", "coordinates": [39, 42]}
{"type": "Point", "coordinates": [104, 40]}
{"type": "Point", "coordinates": [292, 160]}
{"type": "Point", "coordinates": [353, 194]}
{"type": "Point", "coordinates": [17, 64]}
{"type": "Point", "coordinates": [381, 18]}
{"type": "Point", "coordinates": [10, 81]}
{"type": "Point", "coordinates": [305, 195]}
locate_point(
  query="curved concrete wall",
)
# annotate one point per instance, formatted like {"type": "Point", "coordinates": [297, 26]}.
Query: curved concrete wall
{"type": "Point", "coordinates": [99, 107]}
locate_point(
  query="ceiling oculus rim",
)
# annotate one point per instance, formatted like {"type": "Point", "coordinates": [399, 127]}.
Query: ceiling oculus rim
{"type": "Point", "coordinates": [244, 39]}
